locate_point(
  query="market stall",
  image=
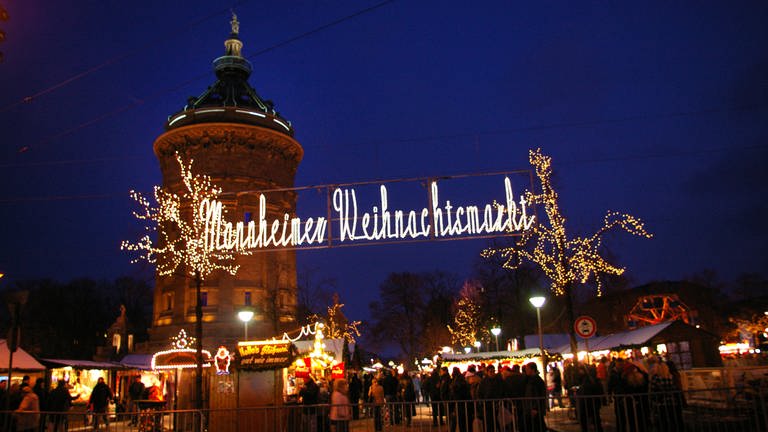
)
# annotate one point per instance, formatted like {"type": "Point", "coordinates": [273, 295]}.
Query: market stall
{"type": "Point", "coordinates": [23, 364]}
{"type": "Point", "coordinates": [498, 359]}
{"type": "Point", "coordinates": [81, 376]}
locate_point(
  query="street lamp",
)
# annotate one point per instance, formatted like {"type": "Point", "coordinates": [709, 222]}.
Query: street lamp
{"type": "Point", "coordinates": [245, 315]}
{"type": "Point", "coordinates": [467, 349]}
{"type": "Point", "coordinates": [496, 332]}
{"type": "Point", "coordinates": [477, 345]}
{"type": "Point", "coordinates": [538, 302]}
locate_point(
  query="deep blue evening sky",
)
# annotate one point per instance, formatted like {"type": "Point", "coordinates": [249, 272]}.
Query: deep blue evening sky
{"type": "Point", "coordinates": [655, 109]}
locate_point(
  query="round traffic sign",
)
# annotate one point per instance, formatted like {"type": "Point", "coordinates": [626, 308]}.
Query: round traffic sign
{"type": "Point", "coordinates": [585, 326]}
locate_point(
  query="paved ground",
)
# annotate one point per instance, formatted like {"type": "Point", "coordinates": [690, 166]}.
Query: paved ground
{"type": "Point", "coordinates": [559, 419]}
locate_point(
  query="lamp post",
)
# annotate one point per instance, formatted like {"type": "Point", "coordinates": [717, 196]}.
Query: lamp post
{"type": "Point", "coordinates": [245, 316]}
{"type": "Point", "coordinates": [496, 331]}
{"type": "Point", "coordinates": [538, 302]}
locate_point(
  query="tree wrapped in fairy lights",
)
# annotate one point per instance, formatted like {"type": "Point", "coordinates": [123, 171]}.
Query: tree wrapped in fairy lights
{"type": "Point", "coordinates": [337, 325]}
{"type": "Point", "coordinates": [466, 319]}
{"type": "Point", "coordinates": [181, 244]}
{"type": "Point", "coordinates": [565, 261]}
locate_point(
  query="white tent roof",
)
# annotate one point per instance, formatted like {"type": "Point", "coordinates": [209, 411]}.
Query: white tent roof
{"type": "Point", "coordinates": [631, 338]}
{"type": "Point", "coordinates": [334, 346]}
{"type": "Point", "coordinates": [22, 360]}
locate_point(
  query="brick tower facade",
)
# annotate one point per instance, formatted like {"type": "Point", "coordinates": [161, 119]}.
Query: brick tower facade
{"type": "Point", "coordinates": [246, 147]}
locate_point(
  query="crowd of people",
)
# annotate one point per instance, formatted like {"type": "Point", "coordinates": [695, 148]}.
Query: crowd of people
{"type": "Point", "coordinates": [642, 393]}
{"type": "Point", "coordinates": [456, 398]}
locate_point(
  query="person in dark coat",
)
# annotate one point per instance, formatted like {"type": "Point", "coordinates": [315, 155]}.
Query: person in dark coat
{"type": "Point", "coordinates": [490, 392]}
{"type": "Point", "coordinates": [433, 386]}
{"type": "Point", "coordinates": [59, 403]}
{"type": "Point", "coordinates": [135, 393]}
{"type": "Point", "coordinates": [460, 411]}
{"type": "Point", "coordinates": [309, 395]}
{"type": "Point", "coordinates": [514, 389]}
{"type": "Point", "coordinates": [42, 397]}
{"type": "Point", "coordinates": [589, 399]}
{"type": "Point", "coordinates": [3, 402]}
{"type": "Point", "coordinates": [407, 393]}
{"type": "Point", "coordinates": [367, 382]}
{"type": "Point", "coordinates": [389, 382]}
{"type": "Point", "coordinates": [100, 397]}
{"type": "Point", "coordinates": [535, 404]}
{"type": "Point", "coordinates": [355, 390]}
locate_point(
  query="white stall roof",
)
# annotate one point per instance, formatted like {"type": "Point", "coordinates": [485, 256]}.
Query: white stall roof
{"type": "Point", "coordinates": [22, 360]}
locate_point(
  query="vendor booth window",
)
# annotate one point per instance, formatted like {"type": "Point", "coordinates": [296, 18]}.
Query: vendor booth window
{"type": "Point", "coordinates": [680, 354]}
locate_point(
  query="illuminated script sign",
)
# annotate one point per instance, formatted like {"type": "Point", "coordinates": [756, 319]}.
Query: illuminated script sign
{"type": "Point", "coordinates": [337, 371]}
{"type": "Point", "coordinates": [265, 355]}
{"type": "Point", "coordinates": [366, 213]}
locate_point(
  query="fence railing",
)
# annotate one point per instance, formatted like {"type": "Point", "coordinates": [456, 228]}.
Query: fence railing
{"type": "Point", "coordinates": [712, 410]}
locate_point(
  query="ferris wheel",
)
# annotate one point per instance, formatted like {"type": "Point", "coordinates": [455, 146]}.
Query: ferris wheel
{"type": "Point", "coordinates": [658, 308]}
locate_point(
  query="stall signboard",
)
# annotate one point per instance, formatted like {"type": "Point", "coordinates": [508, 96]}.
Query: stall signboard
{"type": "Point", "coordinates": [303, 368]}
{"type": "Point", "coordinates": [265, 355]}
{"type": "Point", "coordinates": [337, 371]}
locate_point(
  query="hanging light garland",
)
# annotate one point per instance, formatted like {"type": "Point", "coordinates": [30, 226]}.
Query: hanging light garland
{"type": "Point", "coordinates": [565, 261]}
{"type": "Point", "coordinates": [181, 226]}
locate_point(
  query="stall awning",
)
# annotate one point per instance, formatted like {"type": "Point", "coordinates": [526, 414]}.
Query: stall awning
{"type": "Point", "coordinates": [22, 360]}
{"type": "Point", "coordinates": [491, 355]}
{"type": "Point", "coordinates": [81, 364]}
{"type": "Point", "coordinates": [137, 361]}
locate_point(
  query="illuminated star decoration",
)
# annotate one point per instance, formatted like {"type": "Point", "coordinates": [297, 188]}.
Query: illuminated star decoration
{"type": "Point", "coordinates": [182, 341]}
{"type": "Point", "coordinates": [181, 355]}
{"type": "Point", "coordinates": [564, 261]}
{"type": "Point", "coordinates": [180, 222]}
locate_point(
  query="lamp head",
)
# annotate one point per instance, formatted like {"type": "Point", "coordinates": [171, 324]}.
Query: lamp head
{"type": "Point", "coordinates": [496, 331]}
{"type": "Point", "coordinates": [245, 315]}
{"type": "Point", "coordinates": [537, 301]}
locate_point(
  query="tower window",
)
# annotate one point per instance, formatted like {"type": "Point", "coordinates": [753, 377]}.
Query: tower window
{"type": "Point", "coordinates": [247, 298]}
{"type": "Point", "coordinates": [247, 217]}
{"type": "Point", "coordinates": [168, 302]}
{"type": "Point", "coordinates": [204, 298]}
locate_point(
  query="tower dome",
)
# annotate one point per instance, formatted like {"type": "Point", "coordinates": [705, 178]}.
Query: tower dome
{"type": "Point", "coordinates": [231, 98]}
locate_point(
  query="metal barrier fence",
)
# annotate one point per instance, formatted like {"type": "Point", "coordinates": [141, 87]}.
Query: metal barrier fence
{"type": "Point", "coordinates": [712, 410]}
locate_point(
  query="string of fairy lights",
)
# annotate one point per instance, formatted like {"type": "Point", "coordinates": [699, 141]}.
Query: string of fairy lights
{"type": "Point", "coordinates": [564, 261]}
{"type": "Point", "coordinates": [181, 240]}
{"type": "Point", "coordinates": [466, 318]}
